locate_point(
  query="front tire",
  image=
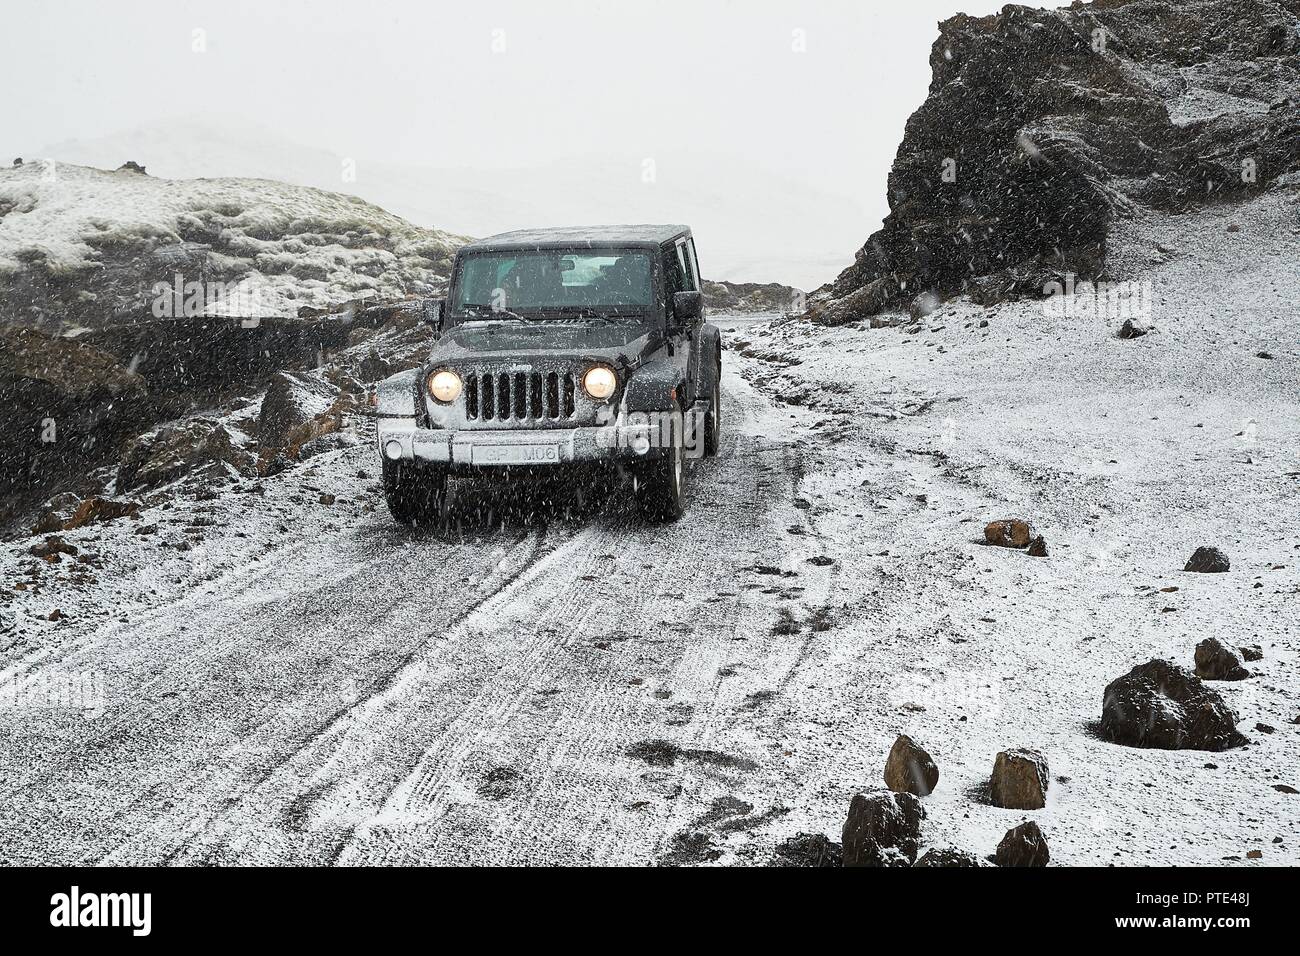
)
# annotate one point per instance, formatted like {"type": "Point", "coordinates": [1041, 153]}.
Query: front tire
{"type": "Point", "coordinates": [661, 486]}
{"type": "Point", "coordinates": [416, 494]}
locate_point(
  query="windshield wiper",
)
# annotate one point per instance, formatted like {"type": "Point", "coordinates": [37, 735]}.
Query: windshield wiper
{"type": "Point", "coordinates": [478, 308]}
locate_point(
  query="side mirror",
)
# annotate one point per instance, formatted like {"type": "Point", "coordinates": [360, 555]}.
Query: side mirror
{"type": "Point", "coordinates": [433, 310]}
{"type": "Point", "coordinates": [687, 307]}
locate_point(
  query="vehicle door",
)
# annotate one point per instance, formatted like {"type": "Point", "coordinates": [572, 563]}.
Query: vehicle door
{"type": "Point", "coordinates": [680, 275]}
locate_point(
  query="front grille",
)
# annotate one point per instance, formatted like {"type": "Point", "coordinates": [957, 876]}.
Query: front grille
{"type": "Point", "coordinates": [520, 396]}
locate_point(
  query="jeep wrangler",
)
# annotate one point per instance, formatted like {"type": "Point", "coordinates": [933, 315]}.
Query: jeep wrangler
{"type": "Point", "coordinates": [559, 348]}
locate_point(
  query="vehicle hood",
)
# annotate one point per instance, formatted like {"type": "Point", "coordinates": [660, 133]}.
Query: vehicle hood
{"type": "Point", "coordinates": [624, 343]}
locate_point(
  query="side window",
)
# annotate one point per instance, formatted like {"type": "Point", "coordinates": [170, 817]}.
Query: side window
{"type": "Point", "coordinates": [674, 278]}
{"type": "Point", "coordinates": [686, 260]}
{"type": "Point", "coordinates": [695, 262]}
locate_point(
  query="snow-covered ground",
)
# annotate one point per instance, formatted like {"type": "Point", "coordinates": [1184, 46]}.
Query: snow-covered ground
{"type": "Point", "coordinates": [289, 677]}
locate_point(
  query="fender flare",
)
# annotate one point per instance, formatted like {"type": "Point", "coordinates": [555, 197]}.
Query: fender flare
{"type": "Point", "coordinates": [397, 394]}
{"type": "Point", "coordinates": [654, 387]}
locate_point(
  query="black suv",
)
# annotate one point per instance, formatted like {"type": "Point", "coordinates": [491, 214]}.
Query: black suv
{"type": "Point", "coordinates": [559, 347]}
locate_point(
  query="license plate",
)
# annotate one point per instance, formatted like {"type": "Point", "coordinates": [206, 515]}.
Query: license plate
{"type": "Point", "coordinates": [516, 454]}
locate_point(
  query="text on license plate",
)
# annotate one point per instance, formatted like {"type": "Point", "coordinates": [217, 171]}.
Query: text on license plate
{"type": "Point", "coordinates": [516, 454]}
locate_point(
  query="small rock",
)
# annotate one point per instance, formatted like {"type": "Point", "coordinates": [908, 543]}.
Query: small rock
{"type": "Point", "coordinates": [1283, 788]}
{"type": "Point", "coordinates": [1207, 560]}
{"type": "Point", "coordinates": [1264, 355]}
{"type": "Point", "coordinates": [56, 615]}
{"type": "Point", "coordinates": [1019, 780]}
{"type": "Point", "coordinates": [1254, 854]}
{"type": "Point", "coordinates": [1132, 330]}
{"type": "Point", "coordinates": [1216, 662]}
{"type": "Point", "coordinates": [909, 769]}
{"type": "Point", "coordinates": [1024, 845]}
{"type": "Point", "coordinates": [1266, 728]}
{"type": "Point", "coordinates": [883, 829]}
{"type": "Point", "coordinates": [1252, 653]}
{"type": "Point", "coordinates": [53, 545]}
{"type": "Point", "coordinates": [1009, 533]}
{"type": "Point", "coordinates": [327, 499]}
{"type": "Point", "coordinates": [950, 856]}
{"type": "Point", "coordinates": [1038, 547]}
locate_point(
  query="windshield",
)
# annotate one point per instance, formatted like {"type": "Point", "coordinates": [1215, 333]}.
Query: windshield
{"type": "Point", "coordinates": [606, 280]}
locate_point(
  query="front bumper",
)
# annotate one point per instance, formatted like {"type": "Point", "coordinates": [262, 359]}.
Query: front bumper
{"type": "Point", "coordinates": [402, 439]}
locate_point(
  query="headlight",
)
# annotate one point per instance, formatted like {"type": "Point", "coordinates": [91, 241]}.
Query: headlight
{"type": "Point", "coordinates": [600, 382]}
{"type": "Point", "coordinates": [444, 386]}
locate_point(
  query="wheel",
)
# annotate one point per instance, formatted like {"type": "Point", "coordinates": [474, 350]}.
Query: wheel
{"type": "Point", "coordinates": [661, 486]}
{"type": "Point", "coordinates": [713, 421]}
{"type": "Point", "coordinates": [416, 494]}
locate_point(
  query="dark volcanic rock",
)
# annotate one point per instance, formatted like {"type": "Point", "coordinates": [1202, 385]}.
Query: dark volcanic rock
{"type": "Point", "coordinates": [174, 451]}
{"type": "Point", "coordinates": [950, 857]}
{"type": "Point", "coordinates": [1162, 706]}
{"type": "Point", "coordinates": [1132, 330]}
{"type": "Point", "coordinates": [882, 829]}
{"type": "Point", "coordinates": [101, 510]}
{"type": "Point", "coordinates": [1216, 662]}
{"type": "Point", "coordinates": [1043, 126]}
{"type": "Point", "coordinates": [1206, 560]}
{"type": "Point", "coordinates": [63, 407]}
{"type": "Point", "coordinates": [1024, 845]}
{"type": "Point", "coordinates": [909, 769]}
{"type": "Point", "coordinates": [808, 849]}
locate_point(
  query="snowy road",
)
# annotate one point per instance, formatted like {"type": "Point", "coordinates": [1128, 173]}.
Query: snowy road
{"type": "Point", "coordinates": [369, 695]}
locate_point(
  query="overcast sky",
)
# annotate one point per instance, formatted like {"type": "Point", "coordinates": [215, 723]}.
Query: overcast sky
{"type": "Point", "coordinates": [816, 92]}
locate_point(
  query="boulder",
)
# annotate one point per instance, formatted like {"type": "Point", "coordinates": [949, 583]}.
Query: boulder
{"type": "Point", "coordinates": [1163, 706]}
{"type": "Point", "coordinates": [52, 545]}
{"type": "Point", "coordinates": [297, 411]}
{"type": "Point", "coordinates": [55, 513]}
{"type": "Point", "coordinates": [1024, 845]}
{"type": "Point", "coordinates": [808, 849]}
{"type": "Point", "coordinates": [909, 769]}
{"type": "Point", "coordinates": [1009, 533]}
{"type": "Point", "coordinates": [882, 829]}
{"type": "Point", "coordinates": [374, 368]}
{"type": "Point", "coordinates": [1019, 780]}
{"type": "Point", "coordinates": [1216, 662]}
{"type": "Point", "coordinates": [949, 856]}
{"type": "Point", "coordinates": [1207, 560]}
{"type": "Point", "coordinates": [174, 451]}
{"type": "Point", "coordinates": [1033, 142]}
{"type": "Point", "coordinates": [101, 510]}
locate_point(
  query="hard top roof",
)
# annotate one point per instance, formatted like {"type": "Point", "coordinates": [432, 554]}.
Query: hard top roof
{"type": "Point", "coordinates": [566, 236]}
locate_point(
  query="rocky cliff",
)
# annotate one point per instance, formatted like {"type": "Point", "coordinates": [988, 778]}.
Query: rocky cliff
{"type": "Point", "coordinates": [128, 301]}
{"type": "Point", "coordinates": [1043, 126]}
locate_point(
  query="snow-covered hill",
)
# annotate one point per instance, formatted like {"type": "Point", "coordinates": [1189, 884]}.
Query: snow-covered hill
{"type": "Point", "coordinates": [88, 246]}
{"type": "Point", "coordinates": [731, 204]}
